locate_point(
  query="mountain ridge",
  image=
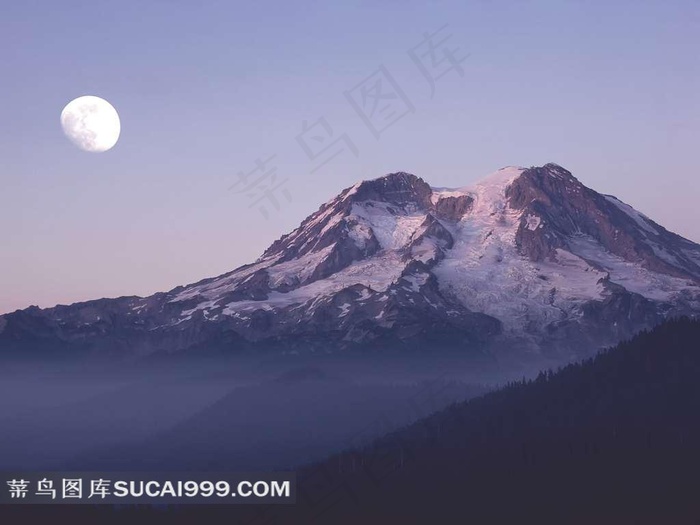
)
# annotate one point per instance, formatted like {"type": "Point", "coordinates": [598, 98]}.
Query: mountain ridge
{"type": "Point", "coordinates": [527, 257]}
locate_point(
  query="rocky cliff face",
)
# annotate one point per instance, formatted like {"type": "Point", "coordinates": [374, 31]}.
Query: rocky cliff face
{"type": "Point", "coordinates": [526, 262]}
{"type": "Point", "coordinates": [565, 208]}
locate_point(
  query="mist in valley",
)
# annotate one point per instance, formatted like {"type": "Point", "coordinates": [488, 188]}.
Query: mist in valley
{"type": "Point", "coordinates": [236, 414]}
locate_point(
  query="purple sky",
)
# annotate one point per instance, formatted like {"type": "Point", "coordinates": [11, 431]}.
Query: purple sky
{"type": "Point", "coordinates": [608, 91]}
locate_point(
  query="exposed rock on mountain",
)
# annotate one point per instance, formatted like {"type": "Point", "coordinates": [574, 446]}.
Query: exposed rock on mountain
{"type": "Point", "coordinates": [528, 262]}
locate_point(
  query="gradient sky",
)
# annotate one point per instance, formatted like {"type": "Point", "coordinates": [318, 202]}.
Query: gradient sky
{"type": "Point", "coordinates": [608, 90]}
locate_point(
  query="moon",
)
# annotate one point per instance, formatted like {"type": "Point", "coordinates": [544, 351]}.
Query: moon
{"type": "Point", "coordinates": [91, 123]}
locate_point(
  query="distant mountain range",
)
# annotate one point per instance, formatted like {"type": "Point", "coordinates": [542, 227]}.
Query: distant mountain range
{"type": "Point", "coordinates": [610, 440]}
{"type": "Point", "coordinates": [527, 263]}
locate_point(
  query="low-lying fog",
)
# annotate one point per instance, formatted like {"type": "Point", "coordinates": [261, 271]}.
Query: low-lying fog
{"type": "Point", "coordinates": [234, 415]}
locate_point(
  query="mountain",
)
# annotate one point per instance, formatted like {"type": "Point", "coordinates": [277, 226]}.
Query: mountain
{"type": "Point", "coordinates": [528, 263]}
{"type": "Point", "coordinates": [614, 439]}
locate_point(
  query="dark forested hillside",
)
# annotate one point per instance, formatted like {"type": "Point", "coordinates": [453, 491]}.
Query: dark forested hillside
{"type": "Point", "coordinates": [615, 439]}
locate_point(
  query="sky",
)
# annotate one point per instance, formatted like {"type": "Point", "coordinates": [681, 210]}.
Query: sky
{"type": "Point", "coordinates": [317, 96]}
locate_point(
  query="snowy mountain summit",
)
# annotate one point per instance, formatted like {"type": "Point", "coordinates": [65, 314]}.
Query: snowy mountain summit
{"type": "Point", "coordinates": [526, 261]}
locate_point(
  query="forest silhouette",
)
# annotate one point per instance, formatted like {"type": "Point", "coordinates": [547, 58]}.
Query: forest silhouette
{"type": "Point", "coordinates": [612, 439]}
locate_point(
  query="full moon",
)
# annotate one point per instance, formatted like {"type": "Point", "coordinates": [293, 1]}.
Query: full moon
{"type": "Point", "coordinates": [91, 123]}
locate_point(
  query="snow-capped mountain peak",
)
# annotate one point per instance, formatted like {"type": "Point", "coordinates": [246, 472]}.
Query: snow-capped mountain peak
{"type": "Point", "coordinates": [526, 257]}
